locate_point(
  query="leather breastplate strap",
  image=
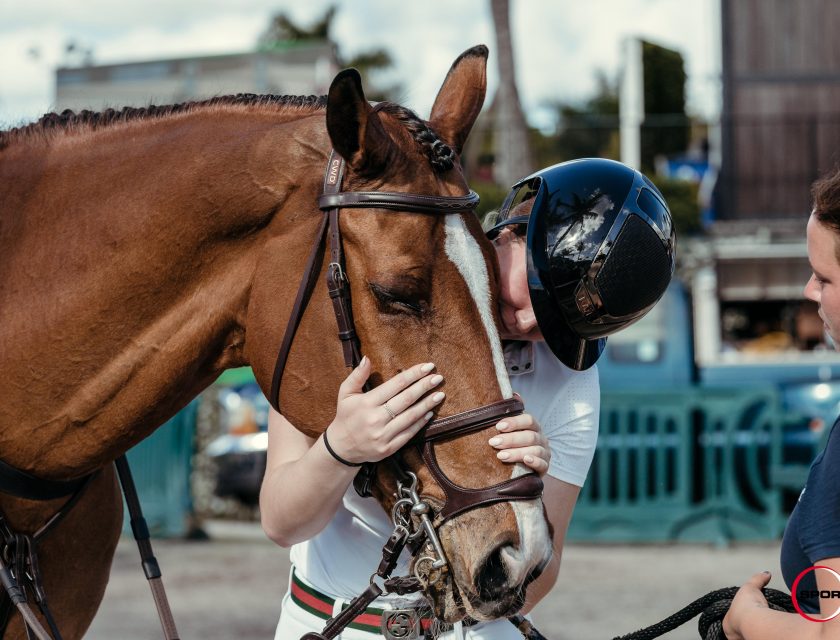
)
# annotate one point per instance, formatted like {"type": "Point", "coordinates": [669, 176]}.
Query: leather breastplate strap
{"type": "Point", "coordinates": [23, 485]}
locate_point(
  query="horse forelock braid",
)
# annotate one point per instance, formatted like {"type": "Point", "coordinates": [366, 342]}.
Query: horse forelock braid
{"type": "Point", "coordinates": [440, 155]}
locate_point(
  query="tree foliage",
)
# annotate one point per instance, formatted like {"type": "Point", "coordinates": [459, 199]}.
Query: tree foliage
{"type": "Point", "coordinates": [283, 30]}
{"type": "Point", "coordinates": [666, 129]}
{"type": "Point", "coordinates": [587, 129]}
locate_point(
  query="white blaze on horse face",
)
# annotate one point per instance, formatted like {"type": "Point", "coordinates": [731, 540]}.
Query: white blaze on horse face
{"type": "Point", "coordinates": [466, 255]}
{"type": "Point", "coordinates": [534, 542]}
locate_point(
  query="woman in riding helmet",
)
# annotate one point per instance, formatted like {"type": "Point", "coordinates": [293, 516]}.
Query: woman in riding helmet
{"type": "Point", "coordinates": [585, 248]}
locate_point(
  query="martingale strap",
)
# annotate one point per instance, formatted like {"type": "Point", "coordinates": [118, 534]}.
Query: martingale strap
{"type": "Point", "coordinates": [144, 545]}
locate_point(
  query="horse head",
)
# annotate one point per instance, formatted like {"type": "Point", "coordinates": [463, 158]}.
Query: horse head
{"type": "Point", "coordinates": [424, 288]}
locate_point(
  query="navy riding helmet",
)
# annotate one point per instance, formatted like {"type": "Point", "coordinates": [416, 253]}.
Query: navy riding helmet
{"type": "Point", "coordinates": [601, 250]}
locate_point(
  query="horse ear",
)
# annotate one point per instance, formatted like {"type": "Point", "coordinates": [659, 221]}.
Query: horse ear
{"type": "Point", "coordinates": [354, 129]}
{"type": "Point", "coordinates": [460, 98]}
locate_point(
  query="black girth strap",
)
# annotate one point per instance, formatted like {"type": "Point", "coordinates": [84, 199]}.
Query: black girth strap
{"type": "Point", "coordinates": [19, 561]}
{"type": "Point", "coordinates": [23, 485]}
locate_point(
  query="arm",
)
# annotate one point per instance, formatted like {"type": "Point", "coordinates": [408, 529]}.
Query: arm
{"type": "Point", "coordinates": [559, 498]}
{"type": "Point", "coordinates": [523, 441]}
{"type": "Point", "coordinates": [304, 484]}
{"type": "Point", "coordinates": [291, 510]}
{"type": "Point", "coordinates": [749, 617]}
{"type": "Point", "coordinates": [569, 434]}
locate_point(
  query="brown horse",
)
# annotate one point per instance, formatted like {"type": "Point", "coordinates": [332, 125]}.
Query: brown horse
{"type": "Point", "coordinates": [143, 252]}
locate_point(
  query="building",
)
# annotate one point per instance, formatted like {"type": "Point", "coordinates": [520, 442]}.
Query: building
{"type": "Point", "coordinates": [296, 69]}
{"type": "Point", "coordinates": [781, 105]}
{"type": "Point", "coordinates": [780, 129]}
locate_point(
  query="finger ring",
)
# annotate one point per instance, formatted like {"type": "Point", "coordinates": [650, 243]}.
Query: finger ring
{"type": "Point", "coordinates": [389, 411]}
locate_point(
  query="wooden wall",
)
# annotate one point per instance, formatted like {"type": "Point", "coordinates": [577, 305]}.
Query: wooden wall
{"type": "Point", "coordinates": [781, 117]}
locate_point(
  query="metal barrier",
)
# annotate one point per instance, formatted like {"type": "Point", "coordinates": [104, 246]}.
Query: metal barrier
{"type": "Point", "coordinates": [691, 465]}
{"type": "Point", "coordinates": [694, 465]}
{"type": "Point", "coordinates": [161, 466]}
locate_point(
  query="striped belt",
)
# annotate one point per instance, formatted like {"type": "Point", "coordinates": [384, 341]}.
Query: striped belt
{"type": "Point", "coordinates": [392, 624]}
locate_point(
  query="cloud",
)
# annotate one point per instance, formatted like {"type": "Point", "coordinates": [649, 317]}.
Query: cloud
{"type": "Point", "coordinates": [558, 45]}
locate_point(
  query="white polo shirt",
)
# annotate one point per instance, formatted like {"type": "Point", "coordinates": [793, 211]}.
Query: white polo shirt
{"type": "Point", "coordinates": [565, 402]}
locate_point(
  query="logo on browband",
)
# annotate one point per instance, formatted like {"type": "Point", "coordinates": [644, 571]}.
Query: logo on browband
{"type": "Point", "coordinates": [332, 175]}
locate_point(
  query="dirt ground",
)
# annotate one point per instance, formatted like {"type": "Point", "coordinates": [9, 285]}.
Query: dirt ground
{"type": "Point", "coordinates": [230, 587]}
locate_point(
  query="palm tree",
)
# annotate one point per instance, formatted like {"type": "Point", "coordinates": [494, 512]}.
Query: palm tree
{"type": "Point", "coordinates": [512, 151]}
{"type": "Point", "coordinates": [282, 30]}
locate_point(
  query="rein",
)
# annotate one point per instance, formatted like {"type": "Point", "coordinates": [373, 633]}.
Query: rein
{"type": "Point", "coordinates": [415, 521]}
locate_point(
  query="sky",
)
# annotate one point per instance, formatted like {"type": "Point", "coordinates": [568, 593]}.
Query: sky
{"type": "Point", "coordinates": [559, 45]}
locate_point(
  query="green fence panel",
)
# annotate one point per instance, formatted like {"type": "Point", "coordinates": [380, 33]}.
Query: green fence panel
{"type": "Point", "coordinates": [690, 465]}
{"type": "Point", "coordinates": [640, 476]}
{"type": "Point", "coordinates": [161, 466]}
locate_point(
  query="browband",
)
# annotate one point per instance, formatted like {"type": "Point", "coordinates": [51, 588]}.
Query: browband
{"type": "Point", "coordinates": [401, 201]}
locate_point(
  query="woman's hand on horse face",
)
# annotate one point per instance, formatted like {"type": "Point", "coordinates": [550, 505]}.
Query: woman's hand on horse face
{"type": "Point", "coordinates": [374, 425]}
{"type": "Point", "coordinates": [522, 440]}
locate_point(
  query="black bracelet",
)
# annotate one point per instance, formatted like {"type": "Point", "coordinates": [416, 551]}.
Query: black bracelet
{"type": "Point", "coordinates": [346, 463]}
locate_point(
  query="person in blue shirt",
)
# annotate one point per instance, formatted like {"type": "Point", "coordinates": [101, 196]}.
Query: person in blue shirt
{"type": "Point", "coordinates": [811, 543]}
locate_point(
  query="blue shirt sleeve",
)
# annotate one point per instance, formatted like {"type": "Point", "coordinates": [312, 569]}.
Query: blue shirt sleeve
{"type": "Point", "coordinates": [813, 530]}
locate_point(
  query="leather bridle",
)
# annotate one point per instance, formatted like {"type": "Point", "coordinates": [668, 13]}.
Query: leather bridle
{"type": "Point", "coordinates": [458, 498]}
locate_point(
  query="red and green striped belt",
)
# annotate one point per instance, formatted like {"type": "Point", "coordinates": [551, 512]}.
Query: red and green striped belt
{"type": "Point", "coordinates": [390, 623]}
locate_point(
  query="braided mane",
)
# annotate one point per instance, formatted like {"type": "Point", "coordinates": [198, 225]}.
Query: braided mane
{"type": "Point", "coordinates": [68, 120]}
{"type": "Point", "coordinates": [440, 155]}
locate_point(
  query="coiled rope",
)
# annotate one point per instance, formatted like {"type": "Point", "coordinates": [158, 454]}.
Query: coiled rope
{"type": "Point", "coordinates": [712, 609]}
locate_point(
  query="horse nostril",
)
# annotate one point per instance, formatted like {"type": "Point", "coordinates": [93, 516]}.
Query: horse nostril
{"type": "Point", "coordinates": [492, 579]}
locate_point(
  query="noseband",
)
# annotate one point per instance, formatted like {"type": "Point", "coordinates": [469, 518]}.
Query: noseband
{"type": "Point", "coordinates": [458, 499]}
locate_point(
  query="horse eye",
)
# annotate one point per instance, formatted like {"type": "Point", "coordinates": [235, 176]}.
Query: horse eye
{"type": "Point", "coordinates": [392, 300]}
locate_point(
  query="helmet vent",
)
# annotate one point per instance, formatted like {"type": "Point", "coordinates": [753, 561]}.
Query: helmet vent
{"type": "Point", "coordinates": [637, 269]}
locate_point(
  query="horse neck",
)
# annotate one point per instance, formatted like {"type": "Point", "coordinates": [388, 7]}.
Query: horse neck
{"type": "Point", "coordinates": [126, 273]}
